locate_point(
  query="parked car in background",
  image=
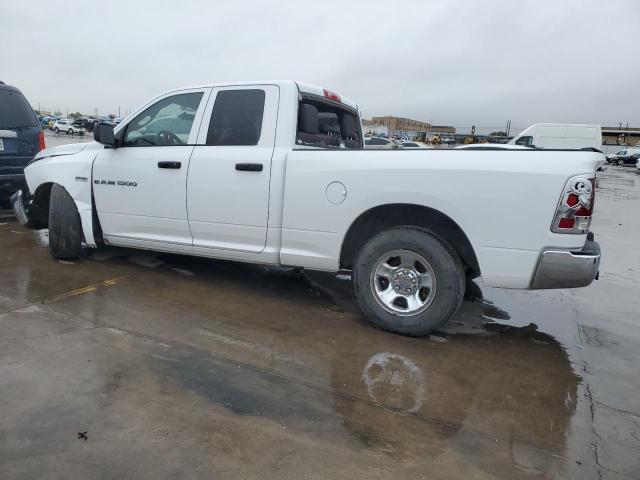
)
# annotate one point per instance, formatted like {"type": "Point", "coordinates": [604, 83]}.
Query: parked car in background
{"type": "Point", "coordinates": [560, 136]}
{"type": "Point", "coordinates": [626, 156]}
{"type": "Point", "coordinates": [379, 143]}
{"type": "Point", "coordinates": [85, 122]}
{"type": "Point", "coordinates": [47, 122]}
{"type": "Point", "coordinates": [44, 121]}
{"type": "Point", "coordinates": [21, 137]}
{"type": "Point", "coordinates": [78, 123]}
{"type": "Point", "coordinates": [67, 126]}
{"type": "Point", "coordinates": [638, 164]}
{"type": "Point", "coordinates": [415, 145]}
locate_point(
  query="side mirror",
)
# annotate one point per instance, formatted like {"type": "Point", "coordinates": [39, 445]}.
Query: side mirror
{"type": "Point", "coordinates": [103, 133]}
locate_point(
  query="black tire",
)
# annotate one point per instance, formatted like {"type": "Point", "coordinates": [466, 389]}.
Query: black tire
{"type": "Point", "coordinates": [444, 262]}
{"type": "Point", "coordinates": [65, 229]}
{"type": "Point", "coordinates": [57, 130]}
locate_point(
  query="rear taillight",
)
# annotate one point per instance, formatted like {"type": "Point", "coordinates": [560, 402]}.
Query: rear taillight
{"type": "Point", "coordinates": [575, 208]}
{"type": "Point", "coordinates": [41, 145]}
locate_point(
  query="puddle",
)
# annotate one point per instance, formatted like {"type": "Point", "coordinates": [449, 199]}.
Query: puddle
{"type": "Point", "coordinates": [246, 390]}
{"type": "Point", "coordinates": [146, 259]}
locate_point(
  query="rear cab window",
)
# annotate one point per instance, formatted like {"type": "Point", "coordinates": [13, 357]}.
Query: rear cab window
{"type": "Point", "coordinates": [327, 124]}
{"type": "Point", "coordinates": [15, 111]}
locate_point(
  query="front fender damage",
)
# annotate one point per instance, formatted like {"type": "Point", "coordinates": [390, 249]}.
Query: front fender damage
{"type": "Point", "coordinates": [74, 173]}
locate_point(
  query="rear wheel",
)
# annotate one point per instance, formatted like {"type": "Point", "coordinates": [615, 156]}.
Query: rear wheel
{"type": "Point", "coordinates": [408, 281]}
{"type": "Point", "coordinates": [70, 132]}
{"type": "Point", "coordinates": [65, 229]}
{"type": "Point", "coordinates": [57, 130]}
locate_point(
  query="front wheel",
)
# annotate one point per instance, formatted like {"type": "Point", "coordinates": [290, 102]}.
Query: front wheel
{"type": "Point", "coordinates": [408, 281]}
{"type": "Point", "coordinates": [65, 229]}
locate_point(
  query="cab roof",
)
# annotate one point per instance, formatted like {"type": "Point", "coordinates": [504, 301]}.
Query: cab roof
{"type": "Point", "coordinates": [300, 86]}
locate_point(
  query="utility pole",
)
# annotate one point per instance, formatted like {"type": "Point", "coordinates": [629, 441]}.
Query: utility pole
{"type": "Point", "coordinates": [627, 129]}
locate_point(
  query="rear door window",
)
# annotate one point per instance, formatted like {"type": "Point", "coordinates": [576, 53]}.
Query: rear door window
{"type": "Point", "coordinates": [15, 111]}
{"type": "Point", "coordinates": [236, 118]}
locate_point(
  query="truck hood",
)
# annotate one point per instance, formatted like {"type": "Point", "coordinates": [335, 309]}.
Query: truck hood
{"type": "Point", "coordinates": [69, 149]}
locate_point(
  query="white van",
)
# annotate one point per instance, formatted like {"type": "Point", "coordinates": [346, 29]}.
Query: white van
{"type": "Point", "coordinates": [560, 135]}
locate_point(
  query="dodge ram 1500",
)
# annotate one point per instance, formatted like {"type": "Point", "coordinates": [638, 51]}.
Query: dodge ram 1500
{"type": "Point", "coordinates": [276, 173]}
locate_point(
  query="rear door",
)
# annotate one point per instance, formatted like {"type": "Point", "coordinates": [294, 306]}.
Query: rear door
{"type": "Point", "coordinates": [230, 169]}
{"type": "Point", "coordinates": [140, 187]}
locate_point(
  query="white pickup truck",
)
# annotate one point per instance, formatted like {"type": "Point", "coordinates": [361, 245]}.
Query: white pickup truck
{"type": "Point", "coordinates": [276, 173]}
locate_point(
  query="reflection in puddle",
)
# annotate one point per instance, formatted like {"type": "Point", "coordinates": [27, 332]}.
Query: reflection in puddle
{"type": "Point", "coordinates": [394, 381]}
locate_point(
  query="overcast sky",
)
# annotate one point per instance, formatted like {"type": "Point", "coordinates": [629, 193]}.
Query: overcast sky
{"type": "Point", "coordinates": [465, 62]}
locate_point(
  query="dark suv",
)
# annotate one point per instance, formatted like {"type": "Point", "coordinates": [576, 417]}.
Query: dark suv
{"type": "Point", "coordinates": [21, 137]}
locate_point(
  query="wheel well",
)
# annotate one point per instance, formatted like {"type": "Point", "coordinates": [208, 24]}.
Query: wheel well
{"type": "Point", "coordinates": [384, 217]}
{"type": "Point", "coordinates": [39, 210]}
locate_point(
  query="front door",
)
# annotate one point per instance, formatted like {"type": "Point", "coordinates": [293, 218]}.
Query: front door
{"type": "Point", "coordinates": [230, 169]}
{"type": "Point", "coordinates": [140, 187]}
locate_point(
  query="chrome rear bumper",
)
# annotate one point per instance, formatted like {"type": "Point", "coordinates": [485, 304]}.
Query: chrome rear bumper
{"type": "Point", "coordinates": [564, 269]}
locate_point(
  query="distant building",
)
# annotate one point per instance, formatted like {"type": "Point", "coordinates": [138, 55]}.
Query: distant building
{"type": "Point", "coordinates": [400, 124]}
{"type": "Point", "coordinates": [373, 129]}
{"type": "Point", "coordinates": [443, 129]}
{"type": "Point", "coordinates": [625, 136]}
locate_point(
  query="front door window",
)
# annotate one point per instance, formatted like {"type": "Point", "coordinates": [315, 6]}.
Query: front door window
{"type": "Point", "coordinates": [165, 123]}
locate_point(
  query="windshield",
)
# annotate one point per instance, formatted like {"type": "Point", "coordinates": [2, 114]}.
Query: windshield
{"type": "Point", "coordinates": [15, 111]}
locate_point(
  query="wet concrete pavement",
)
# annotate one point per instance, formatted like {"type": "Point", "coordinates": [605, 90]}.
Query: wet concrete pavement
{"type": "Point", "coordinates": [181, 367]}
